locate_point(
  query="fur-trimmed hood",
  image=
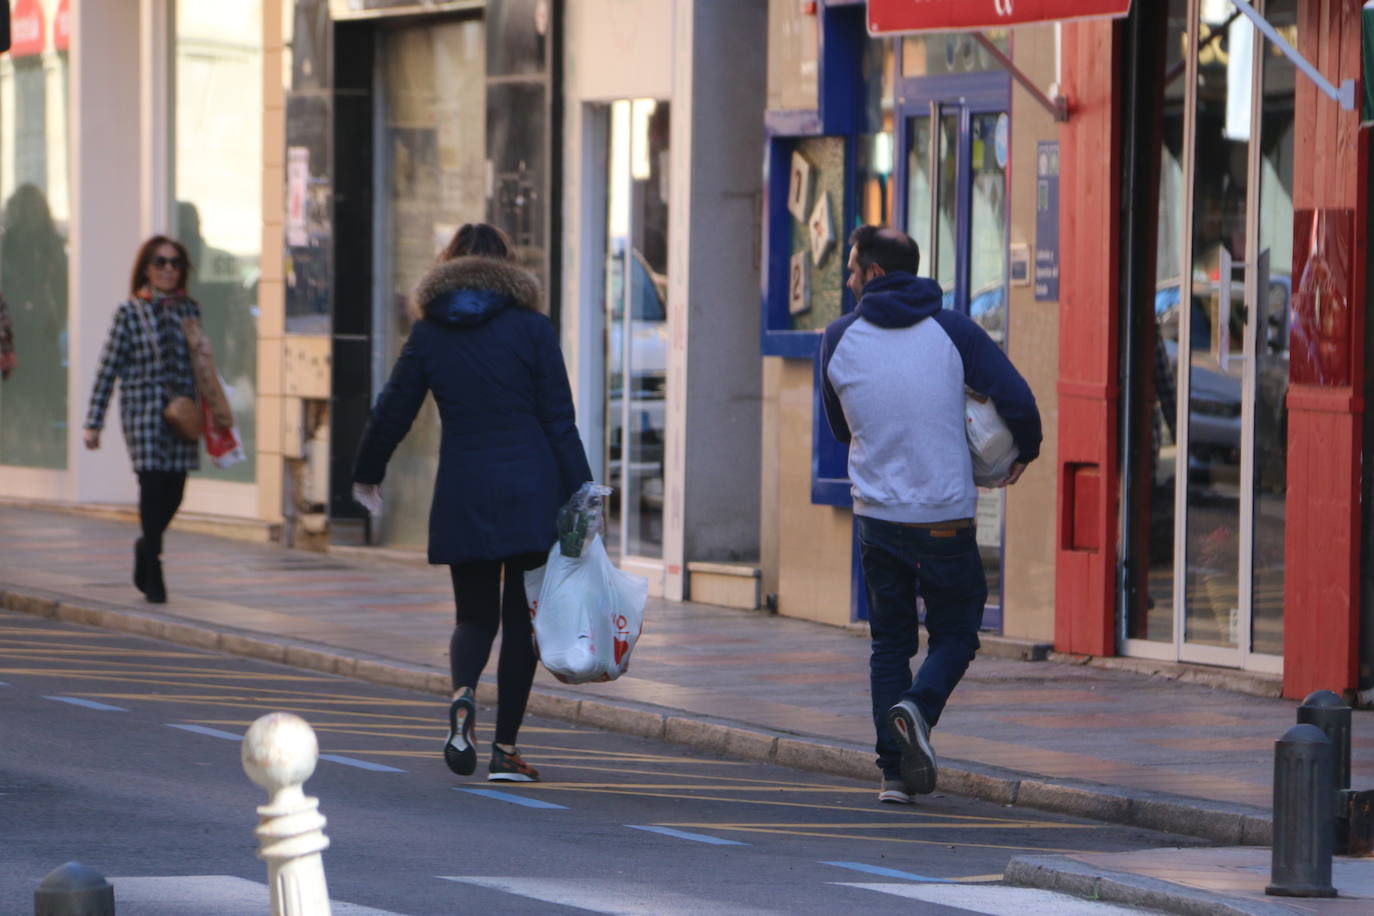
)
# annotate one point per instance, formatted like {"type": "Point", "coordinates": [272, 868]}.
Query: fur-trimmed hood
{"type": "Point", "coordinates": [468, 291]}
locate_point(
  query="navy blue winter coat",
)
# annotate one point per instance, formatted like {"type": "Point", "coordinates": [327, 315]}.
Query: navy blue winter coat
{"type": "Point", "coordinates": [510, 454]}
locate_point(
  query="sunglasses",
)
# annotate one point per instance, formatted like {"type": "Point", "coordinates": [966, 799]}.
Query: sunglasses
{"type": "Point", "coordinates": [160, 262]}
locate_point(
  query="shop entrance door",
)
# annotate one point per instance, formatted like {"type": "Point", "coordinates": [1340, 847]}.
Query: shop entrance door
{"type": "Point", "coordinates": [952, 199]}
{"type": "Point", "coordinates": [633, 141]}
{"type": "Point", "coordinates": [1206, 489]}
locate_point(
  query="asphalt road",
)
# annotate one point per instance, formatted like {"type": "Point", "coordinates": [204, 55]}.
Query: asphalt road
{"type": "Point", "coordinates": [123, 754]}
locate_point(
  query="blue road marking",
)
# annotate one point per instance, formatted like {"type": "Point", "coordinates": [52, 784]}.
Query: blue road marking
{"type": "Point", "coordinates": [361, 764]}
{"type": "Point", "coordinates": [684, 835]}
{"type": "Point", "coordinates": [887, 872]}
{"type": "Point", "coordinates": [89, 704]}
{"type": "Point", "coordinates": [202, 730]}
{"type": "Point", "coordinates": [513, 798]}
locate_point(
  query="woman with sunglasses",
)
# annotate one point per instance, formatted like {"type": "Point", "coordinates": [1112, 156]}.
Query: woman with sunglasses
{"type": "Point", "coordinates": [147, 352]}
{"type": "Point", "coordinates": [509, 457]}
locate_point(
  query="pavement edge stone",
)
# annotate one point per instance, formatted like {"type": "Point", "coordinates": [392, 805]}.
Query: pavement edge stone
{"type": "Point", "coordinates": [1067, 876]}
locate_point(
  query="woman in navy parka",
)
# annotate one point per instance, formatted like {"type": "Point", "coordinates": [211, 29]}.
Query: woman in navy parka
{"type": "Point", "coordinates": [510, 457]}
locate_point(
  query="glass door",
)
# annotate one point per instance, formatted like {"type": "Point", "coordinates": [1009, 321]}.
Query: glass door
{"type": "Point", "coordinates": [952, 190]}
{"type": "Point", "coordinates": [1220, 347]}
{"type": "Point", "coordinates": [636, 322]}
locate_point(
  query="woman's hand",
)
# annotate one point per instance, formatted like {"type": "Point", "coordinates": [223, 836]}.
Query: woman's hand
{"type": "Point", "coordinates": [369, 496]}
{"type": "Point", "coordinates": [92, 439]}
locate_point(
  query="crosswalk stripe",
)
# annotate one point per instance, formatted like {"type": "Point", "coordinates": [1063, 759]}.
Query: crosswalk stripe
{"type": "Point", "coordinates": [211, 895]}
{"type": "Point", "coordinates": [884, 872]}
{"type": "Point", "coordinates": [618, 899]}
{"type": "Point", "coordinates": [999, 901]}
{"type": "Point", "coordinates": [684, 835]}
{"type": "Point", "coordinates": [361, 764]}
{"type": "Point", "coordinates": [88, 704]}
{"type": "Point", "coordinates": [513, 798]}
{"type": "Point", "coordinates": [202, 730]}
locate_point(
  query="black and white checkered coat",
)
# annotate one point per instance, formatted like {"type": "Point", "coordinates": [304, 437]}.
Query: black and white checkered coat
{"type": "Point", "coordinates": [147, 383]}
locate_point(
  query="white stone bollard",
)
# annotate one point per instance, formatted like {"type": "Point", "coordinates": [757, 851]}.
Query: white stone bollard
{"type": "Point", "coordinates": [279, 754]}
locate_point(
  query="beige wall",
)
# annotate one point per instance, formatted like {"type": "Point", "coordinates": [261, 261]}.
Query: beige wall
{"type": "Point", "coordinates": [1033, 343]}
{"type": "Point", "coordinates": [806, 549]}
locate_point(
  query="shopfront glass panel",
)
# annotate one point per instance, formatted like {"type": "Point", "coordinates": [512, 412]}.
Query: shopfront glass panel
{"type": "Point", "coordinates": [918, 189]}
{"type": "Point", "coordinates": [1270, 471]}
{"type": "Point", "coordinates": [945, 256]}
{"type": "Point", "coordinates": [988, 225]}
{"type": "Point", "coordinates": [433, 180]}
{"type": "Point", "coordinates": [34, 191]}
{"type": "Point", "coordinates": [636, 285]}
{"type": "Point", "coordinates": [218, 191]}
{"type": "Point", "coordinates": [1152, 615]}
{"type": "Point", "coordinates": [1216, 327]}
{"type": "Point", "coordinates": [951, 52]}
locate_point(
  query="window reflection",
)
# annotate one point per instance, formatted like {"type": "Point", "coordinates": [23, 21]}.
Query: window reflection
{"type": "Point", "coordinates": [218, 189]}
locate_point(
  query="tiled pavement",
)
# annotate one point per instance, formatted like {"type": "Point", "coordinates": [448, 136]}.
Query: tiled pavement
{"type": "Point", "coordinates": [1065, 724]}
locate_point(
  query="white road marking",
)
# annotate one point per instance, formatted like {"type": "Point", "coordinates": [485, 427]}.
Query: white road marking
{"type": "Point", "coordinates": [202, 730]}
{"type": "Point", "coordinates": [208, 895]}
{"type": "Point", "coordinates": [615, 899]}
{"type": "Point", "coordinates": [89, 704]}
{"type": "Point", "coordinates": [361, 764]}
{"type": "Point", "coordinates": [684, 835]}
{"type": "Point", "coordinates": [885, 872]}
{"type": "Point", "coordinates": [513, 798]}
{"type": "Point", "coordinates": [1001, 901]}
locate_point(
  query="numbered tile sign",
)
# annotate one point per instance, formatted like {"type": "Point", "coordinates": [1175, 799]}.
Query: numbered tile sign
{"type": "Point", "coordinates": [821, 228]}
{"type": "Point", "coordinates": [799, 284]}
{"type": "Point", "coordinates": [799, 187]}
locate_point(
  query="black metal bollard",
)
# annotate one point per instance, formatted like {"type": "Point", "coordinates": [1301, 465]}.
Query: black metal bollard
{"type": "Point", "coordinates": [1329, 712]}
{"type": "Point", "coordinates": [74, 890]}
{"type": "Point", "coordinates": [1304, 815]}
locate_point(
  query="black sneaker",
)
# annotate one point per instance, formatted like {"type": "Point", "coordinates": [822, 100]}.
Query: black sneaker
{"type": "Point", "coordinates": [908, 728]}
{"type": "Point", "coordinates": [510, 767]}
{"type": "Point", "coordinates": [140, 567]}
{"type": "Point", "coordinates": [459, 751]}
{"type": "Point", "coordinates": [893, 792]}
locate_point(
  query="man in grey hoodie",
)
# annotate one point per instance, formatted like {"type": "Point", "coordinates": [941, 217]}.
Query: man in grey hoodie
{"type": "Point", "coordinates": [894, 373]}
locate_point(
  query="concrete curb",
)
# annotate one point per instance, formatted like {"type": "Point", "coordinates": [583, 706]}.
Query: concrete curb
{"type": "Point", "coordinates": [1060, 873]}
{"type": "Point", "coordinates": [1232, 825]}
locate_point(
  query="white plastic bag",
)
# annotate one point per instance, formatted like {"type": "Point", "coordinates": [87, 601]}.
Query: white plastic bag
{"type": "Point", "coordinates": [990, 443]}
{"type": "Point", "coordinates": [587, 614]}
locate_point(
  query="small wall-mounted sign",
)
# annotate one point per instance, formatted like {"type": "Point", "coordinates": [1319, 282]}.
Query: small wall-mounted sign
{"type": "Point", "coordinates": [799, 284]}
{"type": "Point", "coordinates": [1018, 257]}
{"type": "Point", "coordinates": [799, 187]}
{"type": "Point", "coordinates": [821, 227]}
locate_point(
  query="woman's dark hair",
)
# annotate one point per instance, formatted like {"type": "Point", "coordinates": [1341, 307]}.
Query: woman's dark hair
{"type": "Point", "coordinates": [889, 249]}
{"type": "Point", "coordinates": [480, 239]}
{"type": "Point", "coordinates": [147, 252]}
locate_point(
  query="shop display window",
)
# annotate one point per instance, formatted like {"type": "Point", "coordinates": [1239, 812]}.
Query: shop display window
{"type": "Point", "coordinates": [217, 188]}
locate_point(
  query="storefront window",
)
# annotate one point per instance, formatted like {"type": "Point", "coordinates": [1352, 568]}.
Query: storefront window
{"type": "Point", "coordinates": [33, 251]}
{"type": "Point", "coordinates": [218, 189]}
{"type": "Point", "coordinates": [793, 56]}
{"type": "Point", "coordinates": [817, 250]}
{"type": "Point", "coordinates": [954, 52]}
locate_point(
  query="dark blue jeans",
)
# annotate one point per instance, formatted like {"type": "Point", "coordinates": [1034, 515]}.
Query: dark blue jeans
{"type": "Point", "coordinates": [944, 568]}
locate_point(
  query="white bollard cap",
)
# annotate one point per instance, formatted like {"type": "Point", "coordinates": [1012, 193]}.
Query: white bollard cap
{"type": "Point", "coordinates": [280, 751]}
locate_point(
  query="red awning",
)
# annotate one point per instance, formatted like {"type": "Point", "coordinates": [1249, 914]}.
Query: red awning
{"type": "Point", "coordinates": [887, 17]}
{"type": "Point", "coordinates": [62, 26]}
{"type": "Point", "coordinates": [26, 28]}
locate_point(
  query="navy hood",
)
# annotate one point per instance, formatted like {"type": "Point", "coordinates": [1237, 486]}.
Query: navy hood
{"type": "Point", "coordinates": [469, 291]}
{"type": "Point", "coordinates": [900, 299]}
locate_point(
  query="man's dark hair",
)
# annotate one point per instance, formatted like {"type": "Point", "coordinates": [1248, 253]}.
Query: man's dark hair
{"type": "Point", "coordinates": [889, 249]}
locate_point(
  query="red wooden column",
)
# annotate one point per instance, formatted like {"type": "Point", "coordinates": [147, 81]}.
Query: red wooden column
{"type": "Point", "coordinates": [1090, 232]}
{"type": "Point", "coordinates": [1321, 599]}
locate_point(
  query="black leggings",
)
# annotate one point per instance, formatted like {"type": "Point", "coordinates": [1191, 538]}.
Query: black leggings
{"type": "Point", "coordinates": [159, 496]}
{"type": "Point", "coordinates": [483, 607]}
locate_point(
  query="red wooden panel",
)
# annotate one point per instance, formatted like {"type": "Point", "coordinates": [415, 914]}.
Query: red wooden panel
{"type": "Point", "coordinates": [1088, 315]}
{"type": "Point", "coordinates": [1321, 555]}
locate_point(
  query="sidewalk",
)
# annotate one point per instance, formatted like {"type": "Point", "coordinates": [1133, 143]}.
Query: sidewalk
{"type": "Point", "coordinates": [1105, 744]}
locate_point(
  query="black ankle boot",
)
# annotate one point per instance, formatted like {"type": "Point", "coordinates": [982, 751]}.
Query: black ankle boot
{"type": "Point", "coordinates": [140, 567]}
{"type": "Point", "coordinates": [155, 589]}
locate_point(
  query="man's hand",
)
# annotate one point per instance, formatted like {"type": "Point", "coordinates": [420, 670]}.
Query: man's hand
{"type": "Point", "coordinates": [1013, 475]}
{"type": "Point", "coordinates": [369, 496]}
{"type": "Point", "coordinates": [92, 439]}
